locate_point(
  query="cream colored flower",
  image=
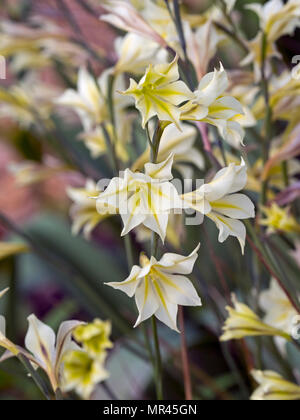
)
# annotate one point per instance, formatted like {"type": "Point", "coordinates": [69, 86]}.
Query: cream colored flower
{"type": "Point", "coordinates": [277, 18]}
{"type": "Point", "coordinates": [211, 105]}
{"type": "Point", "coordinates": [83, 212]}
{"type": "Point", "coordinates": [219, 201]}
{"type": "Point", "coordinates": [135, 53]}
{"type": "Point", "coordinates": [82, 372]}
{"type": "Point", "coordinates": [90, 99]}
{"type": "Point", "coordinates": [123, 15]}
{"type": "Point", "coordinates": [279, 219]}
{"type": "Point", "coordinates": [87, 101]}
{"type": "Point", "coordinates": [178, 142]}
{"type": "Point", "coordinates": [94, 337]}
{"type": "Point", "coordinates": [160, 286]}
{"type": "Point", "coordinates": [142, 198]}
{"type": "Point", "coordinates": [279, 312]}
{"type": "Point", "coordinates": [159, 93]}
{"type": "Point", "coordinates": [243, 322]}
{"type": "Point", "coordinates": [273, 387]}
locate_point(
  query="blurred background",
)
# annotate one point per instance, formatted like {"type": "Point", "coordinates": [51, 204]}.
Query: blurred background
{"type": "Point", "coordinates": [61, 276]}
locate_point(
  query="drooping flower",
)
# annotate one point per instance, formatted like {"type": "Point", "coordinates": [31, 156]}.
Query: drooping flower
{"type": "Point", "coordinates": [279, 219]}
{"type": "Point", "coordinates": [243, 322]}
{"type": "Point", "coordinates": [279, 312]}
{"type": "Point", "coordinates": [83, 212]}
{"type": "Point", "coordinates": [159, 93]}
{"type": "Point", "coordinates": [82, 372]}
{"type": "Point", "coordinates": [142, 198]}
{"type": "Point", "coordinates": [211, 105]}
{"type": "Point", "coordinates": [180, 143]}
{"type": "Point", "coordinates": [45, 350]}
{"type": "Point", "coordinates": [219, 201]}
{"type": "Point", "coordinates": [160, 286]}
{"type": "Point", "coordinates": [273, 387]}
{"type": "Point", "coordinates": [94, 337]}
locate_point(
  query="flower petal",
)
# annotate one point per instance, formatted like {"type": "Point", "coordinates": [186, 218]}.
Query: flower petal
{"type": "Point", "coordinates": [178, 264]}
{"type": "Point", "coordinates": [146, 300]}
{"type": "Point", "coordinates": [236, 206]}
{"type": "Point", "coordinates": [129, 285]}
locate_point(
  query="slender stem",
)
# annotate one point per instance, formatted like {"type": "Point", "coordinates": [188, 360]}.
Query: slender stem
{"type": "Point", "coordinates": [269, 113]}
{"type": "Point", "coordinates": [158, 363]}
{"type": "Point", "coordinates": [154, 247]}
{"type": "Point", "coordinates": [35, 376]}
{"type": "Point", "coordinates": [185, 359]}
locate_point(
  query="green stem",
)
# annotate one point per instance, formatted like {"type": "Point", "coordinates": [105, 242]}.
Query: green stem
{"type": "Point", "coordinates": [269, 114]}
{"type": "Point", "coordinates": [35, 376]}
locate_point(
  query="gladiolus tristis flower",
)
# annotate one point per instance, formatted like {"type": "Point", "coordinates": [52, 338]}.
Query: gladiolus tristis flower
{"type": "Point", "coordinates": [273, 387]}
{"type": "Point", "coordinates": [243, 322]}
{"type": "Point", "coordinates": [90, 99]}
{"type": "Point", "coordinates": [124, 16]}
{"type": "Point", "coordinates": [276, 18]}
{"type": "Point", "coordinates": [210, 104]}
{"type": "Point", "coordinates": [46, 351]}
{"type": "Point", "coordinates": [218, 201]}
{"type": "Point", "coordinates": [135, 53]}
{"type": "Point", "coordinates": [142, 198]}
{"type": "Point", "coordinates": [83, 212]}
{"type": "Point", "coordinates": [279, 311]}
{"type": "Point", "coordinates": [94, 337]}
{"type": "Point", "coordinates": [82, 373]}
{"type": "Point", "coordinates": [181, 144]}
{"type": "Point", "coordinates": [279, 219]}
{"type": "Point", "coordinates": [159, 92]}
{"type": "Point", "coordinates": [160, 286]}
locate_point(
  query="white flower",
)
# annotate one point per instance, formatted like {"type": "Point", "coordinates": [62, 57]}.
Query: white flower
{"type": "Point", "coordinates": [218, 201]}
{"type": "Point", "coordinates": [45, 350]}
{"type": "Point", "coordinates": [213, 106]}
{"type": "Point", "coordinates": [160, 286]}
{"type": "Point", "coordinates": [273, 387]}
{"type": "Point", "coordinates": [135, 53]}
{"type": "Point", "coordinates": [277, 307]}
{"type": "Point", "coordinates": [142, 198]}
{"type": "Point", "coordinates": [90, 99]}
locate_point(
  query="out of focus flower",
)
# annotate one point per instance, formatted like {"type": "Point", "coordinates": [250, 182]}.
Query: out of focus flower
{"type": "Point", "coordinates": [279, 219]}
{"type": "Point", "coordinates": [159, 92]}
{"type": "Point", "coordinates": [27, 173]}
{"type": "Point", "coordinates": [82, 373]}
{"type": "Point", "coordinates": [202, 45]}
{"type": "Point", "coordinates": [94, 337]}
{"type": "Point", "coordinates": [273, 387]}
{"type": "Point", "coordinates": [279, 312]}
{"type": "Point", "coordinates": [218, 201]}
{"type": "Point", "coordinates": [142, 198]}
{"type": "Point", "coordinates": [243, 322]}
{"type": "Point", "coordinates": [4, 342]}
{"type": "Point", "coordinates": [87, 101]}
{"type": "Point", "coordinates": [276, 18]}
{"type": "Point", "coordinates": [124, 16]}
{"type": "Point", "coordinates": [135, 53]}
{"type": "Point", "coordinates": [181, 144]}
{"type": "Point", "coordinates": [160, 286]}
{"type": "Point", "coordinates": [83, 212]}
{"type": "Point", "coordinates": [211, 105]}
{"type": "Point", "coordinates": [8, 249]}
